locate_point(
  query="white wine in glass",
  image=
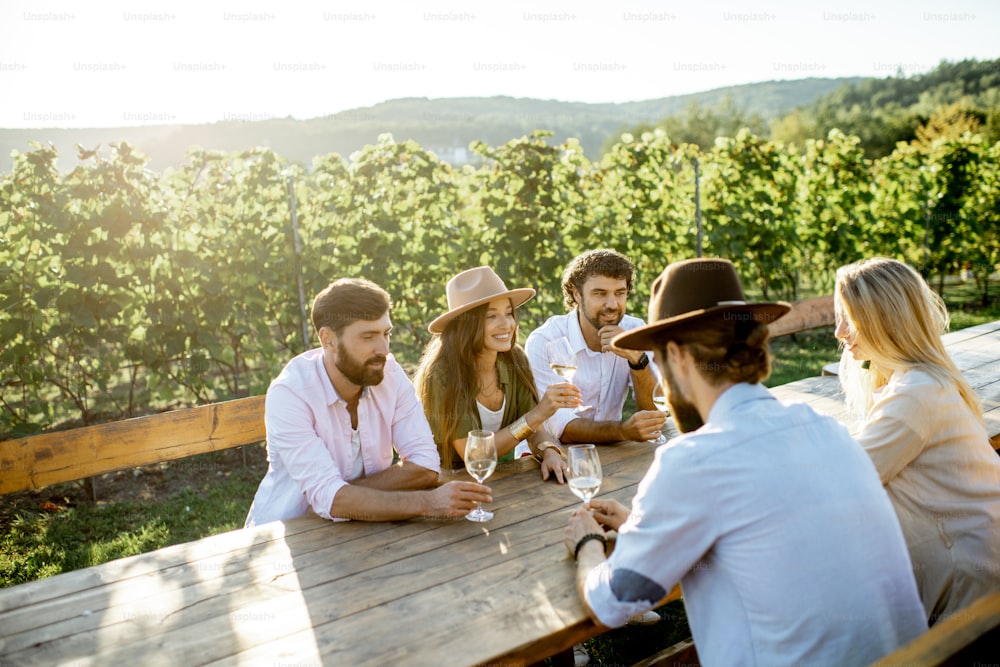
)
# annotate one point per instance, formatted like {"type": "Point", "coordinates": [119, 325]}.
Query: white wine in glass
{"type": "Point", "coordinates": [565, 372]}
{"type": "Point", "coordinates": [584, 471]}
{"type": "Point", "coordinates": [480, 461]}
{"type": "Point", "coordinates": [660, 401]}
{"type": "Point", "coordinates": [562, 360]}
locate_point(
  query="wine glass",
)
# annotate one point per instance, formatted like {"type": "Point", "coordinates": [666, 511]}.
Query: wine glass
{"type": "Point", "coordinates": [562, 360]}
{"type": "Point", "coordinates": [584, 471]}
{"type": "Point", "coordinates": [660, 401]}
{"type": "Point", "coordinates": [480, 461]}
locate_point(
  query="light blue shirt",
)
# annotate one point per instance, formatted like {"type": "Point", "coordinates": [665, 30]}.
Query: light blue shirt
{"type": "Point", "coordinates": [776, 525]}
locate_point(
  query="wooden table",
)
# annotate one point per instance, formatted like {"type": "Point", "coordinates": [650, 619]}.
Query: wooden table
{"type": "Point", "coordinates": [309, 591]}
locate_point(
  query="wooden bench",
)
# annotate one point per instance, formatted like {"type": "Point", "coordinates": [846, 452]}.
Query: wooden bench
{"type": "Point", "coordinates": [970, 636]}
{"type": "Point", "coordinates": [805, 315]}
{"type": "Point", "coordinates": [64, 456]}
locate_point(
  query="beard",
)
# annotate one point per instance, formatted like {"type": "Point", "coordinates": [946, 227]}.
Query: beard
{"type": "Point", "coordinates": [595, 321]}
{"type": "Point", "coordinates": [683, 411]}
{"type": "Point", "coordinates": [362, 373]}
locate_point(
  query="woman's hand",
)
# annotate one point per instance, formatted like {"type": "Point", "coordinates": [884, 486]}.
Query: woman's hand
{"type": "Point", "coordinates": [553, 464]}
{"type": "Point", "coordinates": [559, 395]}
{"type": "Point", "coordinates": [610, 513]}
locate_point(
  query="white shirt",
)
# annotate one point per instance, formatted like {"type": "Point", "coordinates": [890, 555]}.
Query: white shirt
{"type": "Point", "coordinates": [491, 420]}
{"type": "Point", "coordinates": [776, 525]}
{"type": "Point", "coordinates": [604, 378]}
{"type": "Point", "coordinates": [310, 457]}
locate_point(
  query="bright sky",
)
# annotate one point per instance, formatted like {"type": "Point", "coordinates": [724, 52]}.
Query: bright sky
{"type": "Point", "coordinates": [72, 64]}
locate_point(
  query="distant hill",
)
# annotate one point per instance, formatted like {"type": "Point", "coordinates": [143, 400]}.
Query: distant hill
{"type": "Point", "coordinates": [885, 111]}
{"type": "Point", "coordinates": [446, 126]}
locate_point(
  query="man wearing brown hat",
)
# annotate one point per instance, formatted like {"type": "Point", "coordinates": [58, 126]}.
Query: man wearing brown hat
{"type": "Point", "coordinates": [770, 516]}
{"type": "Point", "coordinates": [596, 286]}
{"type": "Point", "coordinates": [336, 414]}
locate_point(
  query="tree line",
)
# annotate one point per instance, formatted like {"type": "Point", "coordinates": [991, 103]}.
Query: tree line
{"type": "Point", "coordinates": [125, 290]}
{"type": "Point", "coordinates": [880, 112]}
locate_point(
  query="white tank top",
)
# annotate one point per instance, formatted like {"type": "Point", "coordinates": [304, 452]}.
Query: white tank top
{"type": "Point", "coordinates": [490, 419]}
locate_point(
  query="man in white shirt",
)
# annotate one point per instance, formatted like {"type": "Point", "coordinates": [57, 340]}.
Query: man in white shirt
{"type": "Point", "coordinates": [334, 417]}
{"type": "Point", "coordinates": [771, 517]}
{"type": "Point", "coordinates": [596, 285]}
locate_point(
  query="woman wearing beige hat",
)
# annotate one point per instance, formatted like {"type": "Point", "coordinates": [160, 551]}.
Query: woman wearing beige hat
{"type": "Point", "coordinates": [474, 375]}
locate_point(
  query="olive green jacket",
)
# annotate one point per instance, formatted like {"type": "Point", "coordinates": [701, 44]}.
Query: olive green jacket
{"type": "Point", "coordinates": [518, 399]}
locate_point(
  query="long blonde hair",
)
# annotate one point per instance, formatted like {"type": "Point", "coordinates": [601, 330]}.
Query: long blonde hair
{"type": "Point", "coordinates": [898, 319]}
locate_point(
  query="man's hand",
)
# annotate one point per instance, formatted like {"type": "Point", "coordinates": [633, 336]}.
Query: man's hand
{"type": "Point", "coordinates": [580, 523]}
{"type": "Point", "coordinates": [609, 513]}
{"type": "Point", "coordinates": [456, 499]}
{"type": "Point", "coordinates": [607, 333]}
{"type": "Point", "coordinates": [644, 425]}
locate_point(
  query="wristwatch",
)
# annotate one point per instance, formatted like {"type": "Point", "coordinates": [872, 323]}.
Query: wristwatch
{"type": "Point", "coordinates": [642, 363]}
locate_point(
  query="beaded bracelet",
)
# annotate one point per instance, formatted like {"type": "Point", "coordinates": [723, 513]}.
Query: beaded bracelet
{"type": "Point", "coordinates": [587, 538]}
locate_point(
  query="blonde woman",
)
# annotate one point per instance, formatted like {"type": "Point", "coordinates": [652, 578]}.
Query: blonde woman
{"type": "Point", "coordinates": [923, 429]}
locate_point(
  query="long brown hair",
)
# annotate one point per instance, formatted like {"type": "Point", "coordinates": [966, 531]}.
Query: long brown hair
{"type": "Point", "coordinates": [449, 361]}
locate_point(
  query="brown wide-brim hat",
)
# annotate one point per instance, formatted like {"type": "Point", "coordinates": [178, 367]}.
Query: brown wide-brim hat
{"type": "Point", "coordinates": [475, 287]}
{"type": "Point", "coordinates": [691, 290]}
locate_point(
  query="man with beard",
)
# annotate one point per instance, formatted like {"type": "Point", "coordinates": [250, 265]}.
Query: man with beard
{"type": "Point", "coordinates": [595, 288]}
{"type": "Point", "coordinates": [336, 414]}
{"type": "Point", "coordinates": [771, 517]}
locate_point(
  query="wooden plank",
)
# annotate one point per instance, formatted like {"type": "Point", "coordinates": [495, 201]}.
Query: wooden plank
{"type": "Point", "coordinates": [255, 558]}
{"type": "Point", "coordinates": [681, 654]}
{"type": "Point", "coordinates": [969, 636]}
{"type": "Point", "coordinates": [62, 456]}
{"type": "Point", "coordinates": [962, 335]}
{"type": "Point", "coordinates": [804, 315]}
{"type": "Point", "coordinates": [975, 339]}
{"type": "Point", "coordinates": [821, 392]}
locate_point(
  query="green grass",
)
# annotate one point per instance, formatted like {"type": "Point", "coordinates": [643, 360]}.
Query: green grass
{"type": "Point", "coordinates": [802, 355]}
{"type": "Point", "coordinates": [58, 529]}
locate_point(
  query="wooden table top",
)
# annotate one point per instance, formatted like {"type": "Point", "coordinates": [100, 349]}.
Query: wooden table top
{"type": "Point", "coordinates": [309, 591]}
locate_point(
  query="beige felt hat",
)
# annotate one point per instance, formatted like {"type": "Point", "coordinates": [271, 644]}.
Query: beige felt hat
{"type": "Point", "coordinates": [692, 289]}
{"type": "Point", "coordinates": [475, 287]}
